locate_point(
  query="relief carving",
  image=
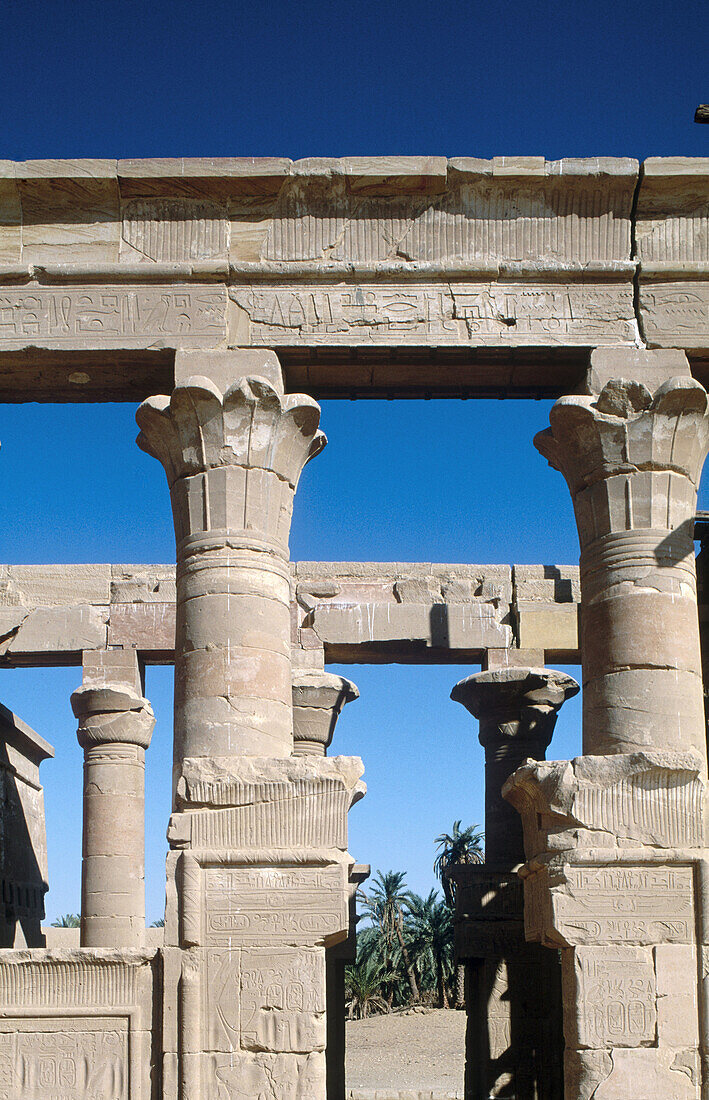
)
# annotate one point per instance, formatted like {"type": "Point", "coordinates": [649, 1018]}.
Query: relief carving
{"type": "Point", "coordinates": [110, 316]}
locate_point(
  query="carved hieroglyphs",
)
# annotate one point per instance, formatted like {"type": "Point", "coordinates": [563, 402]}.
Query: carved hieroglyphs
{"type": "Point", "coordinates": [378, 277]}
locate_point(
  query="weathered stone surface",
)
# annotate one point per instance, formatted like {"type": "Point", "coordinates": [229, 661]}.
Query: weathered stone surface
{"type": "Point", "coordinates": [654, 798]}
{"type": "Point", "coordinates": [232, 461]}
{"type": "Point", "coordinates": [55, 630]}
{"type": "Point", "coordinates": [90, 1037]}
{"type": "Point", "coordinates": [260, 803]}
{"type": "Point", "coordinates": [633, 461]}
{"type": "Point", "coordinates": [115, 727]}
{"type": "Point", "coordinates": [613, 997]}
{"type": "Point", "coordinates": [23, 838]}
{"type": "Point", "coordinates": [318, 699]}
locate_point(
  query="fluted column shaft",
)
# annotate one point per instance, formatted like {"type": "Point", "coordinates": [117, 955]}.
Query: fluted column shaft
{"type": "Point", "coordinates": [517, 710]}
{"type": "Point", "coordinates": [632, 461]}
{"type": "Point", "coordinates": [232, 460]}
{"type": "Point", "coordinates": [115, 727]}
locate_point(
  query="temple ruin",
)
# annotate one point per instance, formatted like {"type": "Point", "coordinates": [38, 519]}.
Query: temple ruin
{"type": "Point", "coordinates": [224, 298]}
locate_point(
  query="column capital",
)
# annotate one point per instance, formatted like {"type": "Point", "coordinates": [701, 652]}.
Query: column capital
{"type": "Point", "coordinates": [515, 703]}
{"type": "Point", "coordinates": [112, 714]}
{"type": "Point", "coordinates": [318, 699]}
{"type": "Point", "coordinates": [199, 428]}
{"type": "Point", "coordinates": [631, 458]}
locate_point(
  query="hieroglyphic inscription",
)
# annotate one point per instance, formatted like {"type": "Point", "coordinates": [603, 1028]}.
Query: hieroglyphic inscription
{"type": "Point", "coordinates": [261, 906]}
{"type": "Point", "coordinates": [64, 1058]}
{"type": "Point", "coordinates": [615, 995]}
{"type": "Point", "coordinates": [624, 904]}
{"type": "Point", "coordinates": [456, 313]}
{"type": "Point", "coordinates": [121, 316]}
{"type": "Point", "coordinates": [247, 1076]}
{"type": "Point", "coordinates": [675, 313]}
{"type": "Point", "coordinates": [283, 1000]}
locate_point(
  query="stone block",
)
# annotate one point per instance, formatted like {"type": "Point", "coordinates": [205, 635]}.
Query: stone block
{"type": "Point", "coordinates": [60, 629]}
{"type": "Point", "coordinates": [92, 1038]}
{"type": "Point", "coordinates": [548, 626]}
{"type": "Point", "coordinates": [246, 1075]}
{"type": "Point", "coordinates": [55, 585]}
{"type": "Point", "coordinates": [651, 367]}
{"type": "Point", "coordinates": [69, 220]}
{"type": "Point", "coordinates": [676, 971]}
{"type": "Point", "coordinates": [647, 1074]}
{"type": "Point", "coordinates": [290, 803]}
{"type": "Point", "coordinates": [609, 996]}
{"type": "Point", "coordinates": [283, 1000]}
{"type": "Point", "coordinates": [300, 905]}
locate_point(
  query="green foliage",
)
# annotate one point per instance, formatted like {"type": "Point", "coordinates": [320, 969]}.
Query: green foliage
{"type": "Point", "coordinates": [69, 920]}
{"type": "Point", "coordinates": [460, 846]}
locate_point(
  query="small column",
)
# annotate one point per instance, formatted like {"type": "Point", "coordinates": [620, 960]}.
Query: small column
{"type": "Point", "coordinates": [517, 710]}
{"type": "Point", "coordinates": [233, 453]}
{"type": "Point", "coordinates": [318, 699]}
{"type": "Point", "coordinates": [514, 1039]}
{"type": "Point", "coordinates": [115, 727]}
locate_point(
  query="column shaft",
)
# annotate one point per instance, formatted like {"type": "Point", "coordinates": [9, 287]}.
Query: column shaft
{"type": "Point", "coordinates": [233, 457]}
{"type": "Point", "coordinates": [115, 726]}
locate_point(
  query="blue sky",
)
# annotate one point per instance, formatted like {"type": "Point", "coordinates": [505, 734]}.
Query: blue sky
{"type": "Point", "coordinates": [418, 481]}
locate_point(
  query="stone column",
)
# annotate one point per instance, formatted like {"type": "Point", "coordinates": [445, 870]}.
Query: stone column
{"type": "Point", "coordinates": [632, 460]}
{"type": "Point", "coordinates": [233, 457]}
{"type": "Point", "coordinates": [517, 710]}
{"type": "Point", "coordinates": [115, 727]}
{"type": "Point", "coordinates": [615, 840]}
{"type": "Point", "coordinates": [258, 871]}
{"type": "Point", "coordinates": [514, 1040]}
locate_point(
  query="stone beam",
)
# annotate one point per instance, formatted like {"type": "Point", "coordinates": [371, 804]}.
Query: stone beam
{"type": "Point", "coordinates": [346, 612]}
{"type": "Point", "coordinates": [370, 276]}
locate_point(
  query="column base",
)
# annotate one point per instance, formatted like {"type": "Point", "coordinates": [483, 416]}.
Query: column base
{"type": "Point", "coordinates": [615, 880]}
{"type": "Point", "coordinates": [258, 893]}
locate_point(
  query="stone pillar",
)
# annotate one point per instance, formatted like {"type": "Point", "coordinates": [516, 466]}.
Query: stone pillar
{"type": "Point", "coordinates": [115, 727]}
{"type": "Point", "coordinates": [233, 457]}
{"type": "Point", "coordinates": [318, 699]}
{"type": "Point", "coordinates": [615, 872]}
{"type": "Point", "coordinates": [258, 871]}
{"type": "Point", "coordinates": [514, 1040]}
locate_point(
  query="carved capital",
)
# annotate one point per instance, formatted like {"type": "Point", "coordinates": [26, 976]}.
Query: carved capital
{"type": "Point", "coordinates": [251, 425]}
{"type": "Point", "coordinates": [632, 459]}
{"type": "Point", "coordinates": [232, 459]}
{"type": "Point", "coordinates": [318, 699]}
{"type": "Point", "coordinates": [519, 704]}
{"type": "Point", "coordinates": [112, 714]}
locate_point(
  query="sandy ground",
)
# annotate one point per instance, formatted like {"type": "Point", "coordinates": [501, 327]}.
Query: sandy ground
{"type": "Point", "coordinates": [407, 1050]}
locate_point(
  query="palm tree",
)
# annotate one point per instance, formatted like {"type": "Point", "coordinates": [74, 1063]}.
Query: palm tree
{"type": "Point", "coordinates": [431, 930]}
{"type": "Point", "coordinates": [385, 904]}
{"type": "Point", "coordinates": [460, 846]}
{"type": "Point", "coordinates": [456, 848]}
{"type": "Point", "coordinates": [363, 986]}
{"type": "Point", "coordinates": [69, 920]}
